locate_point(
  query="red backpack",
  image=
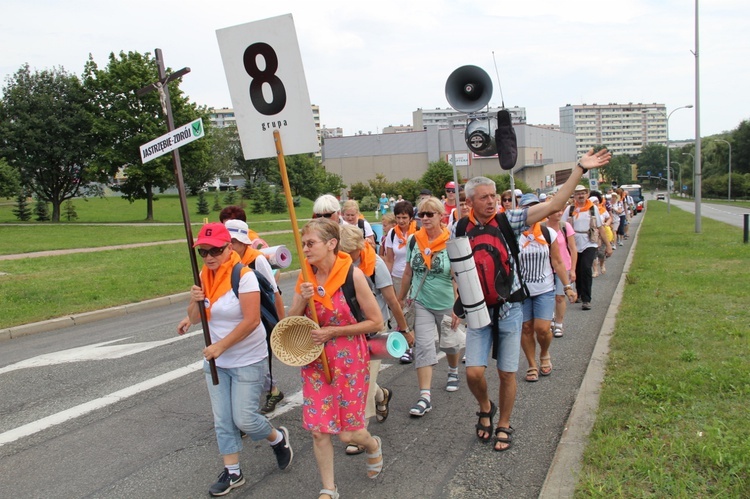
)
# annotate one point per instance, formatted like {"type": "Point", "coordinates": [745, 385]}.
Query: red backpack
{"type": "Point", "coordinates": [490, 244]}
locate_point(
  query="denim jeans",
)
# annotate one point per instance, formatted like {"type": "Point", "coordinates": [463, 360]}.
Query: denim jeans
{"type": "Point", "coordinates": [235, 402]}
{"type": "Point", "coordinates": [479, 342]}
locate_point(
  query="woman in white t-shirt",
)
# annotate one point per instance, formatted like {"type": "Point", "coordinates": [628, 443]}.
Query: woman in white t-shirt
{"type": "Point", "coordinates": [238, 348]}
{"type": "Point", "coordinates": [538, 254]}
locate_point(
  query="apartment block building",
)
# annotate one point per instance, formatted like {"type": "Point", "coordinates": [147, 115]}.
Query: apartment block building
{"type": "Point", "coordinates": [622, 128]}
{"type": "Point", "coordinates": [422, 118]}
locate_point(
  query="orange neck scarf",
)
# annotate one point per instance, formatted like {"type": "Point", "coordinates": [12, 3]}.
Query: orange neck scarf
{"type": "Point", "coordinates": [403, 237]}
{"type": "Point", "coordinates": [586, 207]}
{"type": "Point", "coordinates": [216, 283]}
{"type": "Point", "coordinates": [429, 248]}
{"type": "Point", "coordinates": [250, 255]}
{"type": "Point", "coordinates": [473, 219]}
{"type": "Point", "coordinates": [367, 260]}
{"type": "Point", "coordinates": [602, 208]}
{"type": "Point", "coordinates": [536, 231]}
{"type": "Point", "coordinates": [336, 278]}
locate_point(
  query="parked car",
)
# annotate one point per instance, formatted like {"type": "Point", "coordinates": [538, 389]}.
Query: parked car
{"type": "Point", "coordinates": [660, 197]}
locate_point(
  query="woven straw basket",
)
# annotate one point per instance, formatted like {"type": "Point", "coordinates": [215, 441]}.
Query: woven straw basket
{"type": "Point", "coordinates": [291, 341]}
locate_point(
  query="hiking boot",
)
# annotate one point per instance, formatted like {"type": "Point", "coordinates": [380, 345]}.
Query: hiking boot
{"type": "Point", "coordinates": [226, 482]}
{"type": "Point", "coordinates": [283, 450]}
{"type": "Point", "coordinates": [452, 384]}
{"type": "Point", "coordinates": [271, 401]}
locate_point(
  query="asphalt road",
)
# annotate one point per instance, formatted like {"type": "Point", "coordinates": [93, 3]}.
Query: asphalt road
{"type": "Point", "coordinates": [135, 421]}
{"type": "Point", "coordinates": [732, 215]}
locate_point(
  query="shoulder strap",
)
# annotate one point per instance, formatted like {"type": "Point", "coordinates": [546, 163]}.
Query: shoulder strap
{"type": "Point", "coordinates": [571, 210]}
{"type": "Point", "coordinates": [393, 235]}
{"type": "Point", "coordinates": [412, 242]}
{"type": "Point", "coordinates": [236, 274]}
{"type": "Point", "coordinates": [545, 233]}
{"type": "Point", "coordinates": [461, 226]}
{"type": "Point", "coordinates": [350, 294]}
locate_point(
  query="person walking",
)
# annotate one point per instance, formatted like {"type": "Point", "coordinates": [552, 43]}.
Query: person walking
{"type": "Point", "coordinates": [380, 283]}
{"type": "Point", "coordinates": [428, 282]}
{"type": "Point", "coordinates": [589, 230]}
{"type": "Point", "coordinates": [395, 255]}
{"type": "Point", "coordinates": [539, 260]}
{"type": "Point", "coordinates": [569, 254]}
{"type": "Point", "coordinates": [238, 348]}
{"type": "Point", "coordinates": [337, 407]}
{"type": "Point", "coordinates": [507, 314]}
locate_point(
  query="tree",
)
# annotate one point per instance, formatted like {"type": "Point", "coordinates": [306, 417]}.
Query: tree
{"type": "Point", "coordinates": [224, 146]}
{"type": "Point", "coordinates": [437, 175]}
{"type": "Point", "coordinates": [359, 190]}
{"type": "Point", "coordinates": [10, 181]}
{"type": "Point", "coordinates": [653, 158]}
{"type": "Point", "coordinates": [278, 205]}
{"type": "Point", "coordinates": [261, 198]}
{"type": "Point", "coordinates": [41, 210]}
{"type": "Point", "coordinates": [741, 149]}
{"type": "Point", "coordinates": [380, 184]}
{"type": "Point", "coordinates": [618, 170]}
{"type": "Point", "coordinates": [46, 122]}
{"type": "Point", "coordinates": [408, 189]}
{"type": "Point", "coordinates": [203, 208]}
{"type": "Point", "coordinates": [21, 211]}
{"type": "Point", "coordinates": [70, 211]}
{"type": "Point", "coordinates": [125, 121]}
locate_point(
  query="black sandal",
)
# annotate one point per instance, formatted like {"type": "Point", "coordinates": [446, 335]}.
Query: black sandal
{"type": "Point", "coordinates": [503, 440]}
{"type": "Point", "coordinates": [486, 429]}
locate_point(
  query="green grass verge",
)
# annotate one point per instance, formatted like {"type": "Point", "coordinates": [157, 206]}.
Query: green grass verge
{"type": "Point", "coordinates": [166, 209]}
{"type": "Point", "coordinates": [35, 289]}
{"type": "Point", "coordinates": [673, 412]}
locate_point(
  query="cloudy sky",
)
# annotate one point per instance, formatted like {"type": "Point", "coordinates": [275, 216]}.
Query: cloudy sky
{"type": "Point", "coordinates": [369, 64]}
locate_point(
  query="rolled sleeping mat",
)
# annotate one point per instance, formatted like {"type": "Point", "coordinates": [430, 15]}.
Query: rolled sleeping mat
{"type": "Point", "coordinates": [278, 256]}
{"type": "Point", "coordinates": [387, 346]}
{"type": "Point", "coordinates": [258, 243]}
{"type": "Point", "coordinates": [469, 288]}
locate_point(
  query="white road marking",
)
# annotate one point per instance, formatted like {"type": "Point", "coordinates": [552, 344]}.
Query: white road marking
{"type": "Point", "coordinates": [291, 402]}
{"type": "Point", "coordinates": [97, 351]}
{"type": "Point", "coordinates": [79, 410]}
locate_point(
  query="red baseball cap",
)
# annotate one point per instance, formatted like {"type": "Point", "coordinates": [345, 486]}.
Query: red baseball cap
{"type": "Point", "coordinates": [450, 185]}
{"type": "Point", "coordinates": [214, 234]}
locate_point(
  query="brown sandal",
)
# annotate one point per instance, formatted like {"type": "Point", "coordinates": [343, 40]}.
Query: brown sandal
{"type": "Point", "coordinates": [545, 370]}
{"type": "Point", "coordinates": [532, 374]}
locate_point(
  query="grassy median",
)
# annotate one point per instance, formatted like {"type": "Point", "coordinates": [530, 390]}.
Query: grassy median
{"type": "Point", "coordinates": [673, 412]}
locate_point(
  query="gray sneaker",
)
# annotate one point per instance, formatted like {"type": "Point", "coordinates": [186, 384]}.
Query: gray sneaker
{"type": "Point", "coordinates": [271, 401]}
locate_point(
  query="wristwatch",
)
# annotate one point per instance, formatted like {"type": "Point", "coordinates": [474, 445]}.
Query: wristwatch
{"type": "Point", "coordinates": [567, 287]}
{"type": "Point", "coordinates": [579, 165]}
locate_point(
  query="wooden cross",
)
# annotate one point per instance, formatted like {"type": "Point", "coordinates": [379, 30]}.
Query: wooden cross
{"type": "Point", "coordinates": [166, 106]}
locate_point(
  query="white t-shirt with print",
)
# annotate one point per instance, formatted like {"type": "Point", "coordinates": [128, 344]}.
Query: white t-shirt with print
{"type": "Point", "coordinates": [580, 225]}
{"type": "Point", "coordinates": [225, 315]}
{"type": "Point", "coordinates": [399, 254]}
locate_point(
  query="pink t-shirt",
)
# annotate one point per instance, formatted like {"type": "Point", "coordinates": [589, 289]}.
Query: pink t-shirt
{"type": "Point", "coordinates": [562, 244]}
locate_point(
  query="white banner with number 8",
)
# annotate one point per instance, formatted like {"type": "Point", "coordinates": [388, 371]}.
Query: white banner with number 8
{"type": "Point", "coordinates": [267, 85]}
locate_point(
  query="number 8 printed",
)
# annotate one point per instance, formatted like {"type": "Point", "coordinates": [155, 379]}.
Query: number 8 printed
{"type": "Point", "coordinates": [268, 75]}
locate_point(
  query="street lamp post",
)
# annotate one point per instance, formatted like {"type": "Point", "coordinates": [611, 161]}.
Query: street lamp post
{"type": "Point", "coordinates": [729, 187]}
{"type": "Point", "coordinates": [669, 168]}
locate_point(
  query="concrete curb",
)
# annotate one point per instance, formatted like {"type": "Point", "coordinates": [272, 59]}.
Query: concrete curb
{"type": "Point", "coordinates": [562, 476]}
{"type": "Point", "coordinates": [107, 313]}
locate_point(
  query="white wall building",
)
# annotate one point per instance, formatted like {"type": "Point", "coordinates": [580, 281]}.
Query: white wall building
{"type": "Point", "coordinates": [622, 128]}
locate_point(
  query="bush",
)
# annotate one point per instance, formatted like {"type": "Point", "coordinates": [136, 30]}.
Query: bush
{"type": "Point", "coordinates": [21, 211]}
{"type": "Point", "coordinates": [203, 204]}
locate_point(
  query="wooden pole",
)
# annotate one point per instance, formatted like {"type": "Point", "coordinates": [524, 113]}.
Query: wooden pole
{"type": "Point", "coordinates": [297, 238]}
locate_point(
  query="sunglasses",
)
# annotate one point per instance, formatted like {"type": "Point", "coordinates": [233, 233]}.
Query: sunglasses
{"type": "Point", "coordinates": [428, 214]}
{"type": "Point", "coordinates": [323, 215]}
{"type": "Point", "coordinates": [507, 200]}
{"type": "Point", "coordinates": [214, 252]}
{"type": "Point", "coordinates": [450, 190]}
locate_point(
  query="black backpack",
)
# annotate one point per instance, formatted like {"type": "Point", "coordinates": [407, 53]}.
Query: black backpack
{"type": "Point", "coordinates": [268, 314]}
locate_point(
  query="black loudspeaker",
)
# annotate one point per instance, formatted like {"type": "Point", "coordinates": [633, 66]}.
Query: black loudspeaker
{"type": "Point", "coordinates": [468, 89]}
